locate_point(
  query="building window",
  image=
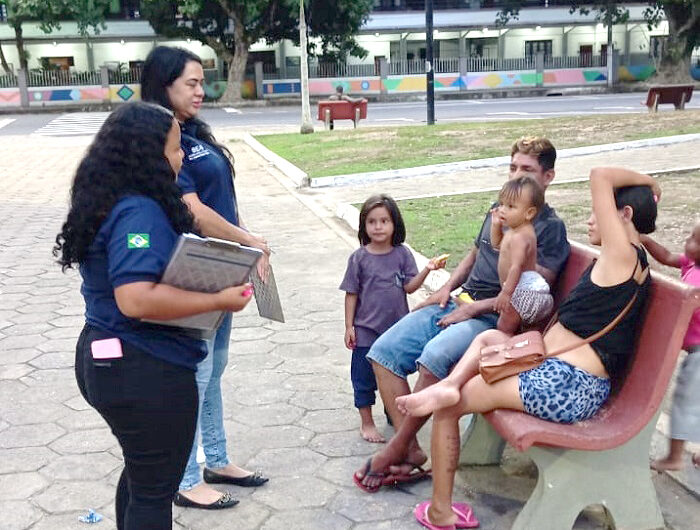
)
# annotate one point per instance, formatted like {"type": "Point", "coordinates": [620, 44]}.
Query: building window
{"type": "Point", "coordinates": [533, 47]}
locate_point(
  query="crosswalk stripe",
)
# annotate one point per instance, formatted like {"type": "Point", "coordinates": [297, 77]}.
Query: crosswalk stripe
{"type": "Point", "coordinates": [6, 121]}
{"type": "Point", "coordinates": [73, 124]}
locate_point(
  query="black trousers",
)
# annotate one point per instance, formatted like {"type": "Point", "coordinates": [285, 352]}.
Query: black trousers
{"type": "Point", "coordinates": [151, 407]}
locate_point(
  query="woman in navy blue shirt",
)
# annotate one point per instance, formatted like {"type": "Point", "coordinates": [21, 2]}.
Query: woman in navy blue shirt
{"type": "Point", "coordinates": [125, 216]}
{"type": "Point", "coordinates": [173, 78]}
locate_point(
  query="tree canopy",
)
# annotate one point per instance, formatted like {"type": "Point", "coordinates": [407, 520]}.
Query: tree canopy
{"type": "Point", "coordinates": [230, 27]}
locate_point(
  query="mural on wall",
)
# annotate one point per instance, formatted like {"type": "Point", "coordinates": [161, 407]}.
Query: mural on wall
{"type": "Point", "coordinates": [491, 80]}
{"type": "Point", "coordinates": [636, 73]}
{"type": "Point", "coordinates": [321, 87]}
{"type": "Point", "coordinates": [9, 97]}
{"type": "Point", "coordinates": [213, 90]}
{"type": "Point", "coordinates": [695, 71]}
{"type": "Point", "coordinates": [575, 76]}
{"type": "Point", "coordinates": [123, 93]}
{"type": "Point", "coordinates": [68, 95]}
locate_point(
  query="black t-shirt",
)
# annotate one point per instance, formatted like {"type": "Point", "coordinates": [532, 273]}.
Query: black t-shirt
{"type": "Point", "coordinates": [552, 253]}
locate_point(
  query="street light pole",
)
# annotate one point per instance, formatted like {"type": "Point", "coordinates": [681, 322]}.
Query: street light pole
{"type": "Point", "coordinates": [429, 70]}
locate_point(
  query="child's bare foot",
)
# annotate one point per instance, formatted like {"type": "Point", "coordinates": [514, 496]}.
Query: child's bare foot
{"type": "Point", "coordinates": [371, 434]}
{"type": "Point", "coordinates": [667, 464]}
{"type": "Point", "coordinates": [428, 400]}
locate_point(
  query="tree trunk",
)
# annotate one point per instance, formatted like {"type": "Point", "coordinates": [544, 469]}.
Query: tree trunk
{"type": "Point", "coordinates": [19, 41]}
{"type": "Point", "coordinates": [674, 66]}
{"type": "Point", "coordinates": [236, 65]}
{"type": "Point", "coordinates": [5, 66]}
{"type": "Point", "coordinates": [307, 125]}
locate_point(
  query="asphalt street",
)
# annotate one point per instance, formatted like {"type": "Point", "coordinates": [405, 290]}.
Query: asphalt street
{"type": "Point", "coordinates": [271, 117]}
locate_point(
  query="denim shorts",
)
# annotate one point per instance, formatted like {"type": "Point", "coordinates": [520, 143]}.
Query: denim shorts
{"type": "Point", "coordinates": [560, 392]}
{"type": "Point", "coordinates": [417, 339]}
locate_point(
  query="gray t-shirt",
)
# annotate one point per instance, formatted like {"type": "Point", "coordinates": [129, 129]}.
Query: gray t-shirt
{"type": "Point", "coordinates": [552, 253]}
{"type": "Point", "coordinates": [378, 280]}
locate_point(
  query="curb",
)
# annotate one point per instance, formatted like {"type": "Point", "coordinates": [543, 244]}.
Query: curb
{"type": "Point", "coordinates": [423, 171]}
{"type": "Point", "coordinates": [296, 175]}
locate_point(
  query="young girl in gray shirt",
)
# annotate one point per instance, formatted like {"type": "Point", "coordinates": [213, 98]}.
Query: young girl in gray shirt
{"type": "Point", "coordinates": [379, 275]}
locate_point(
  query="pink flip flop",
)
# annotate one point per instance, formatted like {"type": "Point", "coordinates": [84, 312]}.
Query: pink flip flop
{"type": "Point", "coordinates": [465, 516]}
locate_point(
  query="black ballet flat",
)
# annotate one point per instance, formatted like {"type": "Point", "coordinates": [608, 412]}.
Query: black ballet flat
{"type": "Point", "coordinates": [226, 501]}
{"type": "Point", "coordinates": [251, 481]}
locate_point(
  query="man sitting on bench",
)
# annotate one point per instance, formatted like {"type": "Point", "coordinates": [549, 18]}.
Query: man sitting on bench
{"type": "Point", "coordinates": [570, 386]}
{"type": "Point", "coordinates": [436, 334]}
{"type": "Point", "coordinates": [340, 95]}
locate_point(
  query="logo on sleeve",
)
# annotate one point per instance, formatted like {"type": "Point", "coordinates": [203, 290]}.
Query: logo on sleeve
{"type": "Point", "coordinates": [138, 241]}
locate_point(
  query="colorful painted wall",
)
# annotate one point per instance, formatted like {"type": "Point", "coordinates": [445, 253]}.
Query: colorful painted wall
{"type": "Point", "coordinates": [636, 73]}
{"type": "Point", "coordinates": [575, 77]}
{"type": "Point", "coordinates": [59, 95]}
{"type": "Point", "coordinates": [124, 93]}
{"type": "Point", "coordinates": [500, 80]}
{"type": "Point", "coordinates": [320, 87]}
{"type": "Point", "coordinates": [9, 97]}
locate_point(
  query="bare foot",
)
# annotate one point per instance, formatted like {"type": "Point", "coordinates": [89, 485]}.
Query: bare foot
{"type": "Point", "coordinates": [666, 464]}
{"type": "Point", "coordinates": [371, 434]}
{"type": "Point", "coordinates": [428, 400]}
{"type": "Point", "coordinates": [202, 493]}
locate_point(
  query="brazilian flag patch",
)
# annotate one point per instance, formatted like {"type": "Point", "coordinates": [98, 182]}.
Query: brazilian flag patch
{"type": "Point", "coordinates": [138, 241]}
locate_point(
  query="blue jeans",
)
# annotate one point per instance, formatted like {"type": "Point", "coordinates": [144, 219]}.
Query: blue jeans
{"type": "Point", "coordinates": [417, 339]}
{"type": "Point", "coordinates": [364, 384]}
{"type": "Point", "coordinates": [210, 422]}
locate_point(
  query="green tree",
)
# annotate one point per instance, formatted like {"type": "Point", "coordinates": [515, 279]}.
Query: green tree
{"type": "Point", "coordinates": [230, 27]}
{"type": "Point", "coordinates": [49, 15]}
{"type": "Point", "coordinates": [683, 18]}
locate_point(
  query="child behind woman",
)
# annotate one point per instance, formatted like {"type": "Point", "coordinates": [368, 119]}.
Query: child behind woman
{"type": "Point", "coordinates": [378, 276]}
{"type": "Point", "coordinates": [685, 415]}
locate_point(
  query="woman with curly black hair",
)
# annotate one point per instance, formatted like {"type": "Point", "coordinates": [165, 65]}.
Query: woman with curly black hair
{"type": "Point", "coordinates": [125, 216]}
{"type": "Point", "coordinates": [174, 78]}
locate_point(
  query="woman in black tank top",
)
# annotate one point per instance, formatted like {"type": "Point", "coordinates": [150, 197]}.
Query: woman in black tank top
{"type": "Point", "coordinates": [574, 385]}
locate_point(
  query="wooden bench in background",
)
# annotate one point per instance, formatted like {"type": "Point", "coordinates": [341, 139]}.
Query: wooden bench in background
{"type": "Point", "coordinates": [676, 95]}
{"type": "Point", "coordinates": [329, 111]}
{"type": "Point", "coordinates": [604, 460]}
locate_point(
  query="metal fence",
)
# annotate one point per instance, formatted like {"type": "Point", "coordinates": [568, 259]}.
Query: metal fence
{"type": "Point", "coordinates": [48, 78]}
{"type": "Point", "coordinates": [575, 61]}
{"type": "Point", "coordinates": [125, 77]}
{"type": "Point", "coordinates": [8, 81]}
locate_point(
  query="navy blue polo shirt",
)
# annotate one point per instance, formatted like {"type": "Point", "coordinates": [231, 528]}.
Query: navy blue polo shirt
{"type": "Point", "coordinates": [206, 172]}
{"type": "Point", "coordinates": [134, 244]}
{"type": "Point", "coordinates": [552, 253]}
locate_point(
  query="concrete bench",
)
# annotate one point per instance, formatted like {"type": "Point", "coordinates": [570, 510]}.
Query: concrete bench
{"type": "Point", "coordinates": [329, 111]}
{"type": "Point", "coordinates": [604, 460]}
{"type": "Point", "coordinates": [676, 95]}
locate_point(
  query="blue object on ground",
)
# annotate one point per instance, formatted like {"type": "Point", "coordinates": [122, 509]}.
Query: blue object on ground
{"type": "Point", "coordinates": [91, 517]}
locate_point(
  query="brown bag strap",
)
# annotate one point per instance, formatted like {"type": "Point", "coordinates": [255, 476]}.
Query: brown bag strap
{"type": "Point", "coordinates": [600, 333]}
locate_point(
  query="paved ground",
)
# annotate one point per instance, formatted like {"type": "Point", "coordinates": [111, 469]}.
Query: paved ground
{"type": "Point", "coordinates": [288, 398]}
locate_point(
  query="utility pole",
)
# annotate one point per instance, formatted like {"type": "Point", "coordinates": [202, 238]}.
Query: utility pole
{"type": "Point", "coordinates": [307, 125]}
{"type": "Point", "coordinates": [429, 70]}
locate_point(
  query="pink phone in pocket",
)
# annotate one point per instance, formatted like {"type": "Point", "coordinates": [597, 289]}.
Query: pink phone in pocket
{"type": "Point", "coordinates": [107, 349]}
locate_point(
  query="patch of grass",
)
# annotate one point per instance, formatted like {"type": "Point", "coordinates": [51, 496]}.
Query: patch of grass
{"type": "Point", "coordinates": [450, 224]}
{"type": "Point", "coordinates": [340, 152]}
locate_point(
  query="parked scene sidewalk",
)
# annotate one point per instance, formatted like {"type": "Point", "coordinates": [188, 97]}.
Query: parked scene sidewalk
{"type": "Point", "coordinates": [287, 388]}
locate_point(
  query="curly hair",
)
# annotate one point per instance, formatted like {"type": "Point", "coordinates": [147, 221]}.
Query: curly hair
{"type": "Point", "coordinates": [162, 67]}
{"type": "Point", "coordinates": [127, 157]}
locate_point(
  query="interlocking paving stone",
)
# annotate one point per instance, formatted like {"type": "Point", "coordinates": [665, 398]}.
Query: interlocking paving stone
{"type": "Point", "coordinates": [64, 359]}
{"type": "Point", "coordinates": [18, 515]}
{"type": "Point", "coordinates": [24, 459]}
{"type": "Point", "coordinates": [78, 442]}
{"type": "Point", "coordinates": [80, 466]}
{"type": "Point", "coordinates": [268, 415]}
{"type": "Point", "coordinates": [346, 443]}
{"type": "Point", "coordinates": [35, 435]}
{"type": "Point", "coordinates": [68, 496]}
{"type": "Point", "coordinates": [287, 493]}
{"type": "Point", "coordinates": [322, 421]}
{"type": "Point", "coordinates": [15, 371]}
{"type": "Point", "coordinates": [307, 518]}
{"type": "Point", "coordinates": [288, 462]}
{"type": "Point", "coordinates": [19, 486]}
{"type": "Point", "coordinates": [305, 350]}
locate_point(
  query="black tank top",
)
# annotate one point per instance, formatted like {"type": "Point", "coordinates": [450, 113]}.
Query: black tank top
{"type": "Point", "coordinates": [590, 307]}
